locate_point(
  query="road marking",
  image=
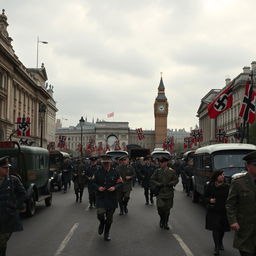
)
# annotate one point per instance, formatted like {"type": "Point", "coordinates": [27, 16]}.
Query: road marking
{"type": "Point", "coordinates": [66, 240]}
{"type": "Point", "coordinates": [183, 245]}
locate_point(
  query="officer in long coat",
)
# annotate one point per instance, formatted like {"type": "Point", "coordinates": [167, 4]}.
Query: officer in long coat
{"type": "Point", "coordinates": [79, 179]}
{"type": "Point", "coordinates": [106, 181]}
{"type": "Point", "coordinates": [146, 172]}
{"type": "Point", "coordinates": [12, 197]}
{"type": "Point", "coordinates": [164, 178]}
{"type": "Point", "coordinates": [89, 172]}
{"type": "Point", "coordinates": [127, 174]}
{"type": "Point", "coordinates": [241, 208]}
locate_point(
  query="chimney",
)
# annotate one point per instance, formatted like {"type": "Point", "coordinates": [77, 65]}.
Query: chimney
{"type": "Point", "coordinates": [227, 80]}
{"type": "Point", "coordinates": [253, 65]}
{"type": "Point", "coordinates": [246, 70]}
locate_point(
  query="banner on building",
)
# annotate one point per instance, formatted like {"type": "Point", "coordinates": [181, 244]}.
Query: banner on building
{"type": "Point", "coordinates": [188, 142]}
{"type": "Point", "coordinates": [168, 143]}
{"type": "Point", "coordinates": [222, 102]}
{"type": "Point", "coordinates": [62, 141]}
{"type": "Point", "coordinates": [23, 126]}
{"type": "Point", "coordinates": [110, 115]}
{"type": "Point", "coordinates": [140, 134]}
{"type": "Point", "coordinates": [221, 136]}
{"type": "Point", "coordinates": [51, 146]}
{"type": "Point", "coordinates": [247, 111]}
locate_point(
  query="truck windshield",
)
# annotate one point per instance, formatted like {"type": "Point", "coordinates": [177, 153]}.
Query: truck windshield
{"type": "Point", "coordinates": [229, 160]}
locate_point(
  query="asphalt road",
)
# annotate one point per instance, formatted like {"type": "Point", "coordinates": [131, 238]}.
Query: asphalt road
{"type": "Point", "coordinates": [70, 229]}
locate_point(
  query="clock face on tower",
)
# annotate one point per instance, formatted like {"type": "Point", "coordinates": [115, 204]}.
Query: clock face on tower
{"type": "Point", "coordinates": [161, 108]}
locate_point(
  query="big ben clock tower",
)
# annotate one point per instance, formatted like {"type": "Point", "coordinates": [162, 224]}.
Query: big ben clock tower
{"type": "Point", "coordinates": [161, 113]}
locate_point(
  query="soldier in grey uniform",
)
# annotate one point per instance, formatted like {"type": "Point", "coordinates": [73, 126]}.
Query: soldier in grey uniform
{"type": "Point", "coordinates": [241, 208]}
{"type": "Point", "coordinates": [12, 197]}
{"type": "Point", "coordinates": [164, 178]}
{"type": "Point", "coordinates": [127, 174]}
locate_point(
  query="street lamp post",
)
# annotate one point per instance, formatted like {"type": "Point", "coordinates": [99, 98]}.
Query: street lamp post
{"type": "Point", "coordinates": [81, 121]}
{"type": "Point", "coordinates": [42, 42]}
{"type": "Point", "coordinates": [42, 110]}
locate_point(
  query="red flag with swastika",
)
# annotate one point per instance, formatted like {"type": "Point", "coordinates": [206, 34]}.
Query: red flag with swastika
{"type": "Point", "coordinates": [248, 108]}
{"type": "Point", "coordinates": [223, 102]}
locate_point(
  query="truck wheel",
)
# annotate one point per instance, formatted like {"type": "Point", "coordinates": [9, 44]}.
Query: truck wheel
{"type": "Point", "coordinates": [195, 196]}
{"type": "Point", "coordinates": [31, 206]}
{"type": "Point", "coordinates": [48, 201]}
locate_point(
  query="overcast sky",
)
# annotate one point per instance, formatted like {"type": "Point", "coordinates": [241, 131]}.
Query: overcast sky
{"type": "Point", "coordinates": [106, 56]}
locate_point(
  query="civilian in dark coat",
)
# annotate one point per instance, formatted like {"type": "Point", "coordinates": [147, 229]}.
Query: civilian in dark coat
{"type": "Point", "coordinates": [216, 194]}
{"type": "Point", "coordinates": [12, 197]}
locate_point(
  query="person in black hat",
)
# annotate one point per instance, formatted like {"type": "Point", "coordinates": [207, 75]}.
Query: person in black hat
{"type": "Point", "coordinates": [12, 197]}
{"type": "Point", "coordinates": [90, 171]}
{"type": "Point", "coordinates": [106, 181]}
{"type": "Point", "coordinates": [79, 179]}
{"type": "Point", "coordinates": [241, 208]}
{"type": "Point", "coordinates": [164, 178]}
{"type": "Point", "coordinates": [147, 171]}
{"type": "Point", "coordinates": [127, 174]}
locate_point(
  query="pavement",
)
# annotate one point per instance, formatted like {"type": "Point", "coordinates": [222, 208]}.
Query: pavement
{"type": "Point", "coordinates": [68, 228]}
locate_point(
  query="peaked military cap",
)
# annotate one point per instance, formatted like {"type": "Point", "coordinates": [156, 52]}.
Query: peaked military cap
{"type": "Point", "coordinates": [250, 158]}
{"type": "Point", "coordinates": [123, 158]}
{"type": "Point", "coordinates": [106, 159]}
{"type": "Point", "coordinates": [163, 159]}
{"type": "Point", "coordinates": [147, 158]}
{"type": "Point", "coordinates": [93, 158]}
{"type": "Point", "coordinates": [4, 161]}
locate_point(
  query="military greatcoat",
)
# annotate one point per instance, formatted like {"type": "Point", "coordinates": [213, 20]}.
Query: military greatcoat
{"type": "Point", "coordinates": [12, 197]}
{"type": "Point", "coordinates": [165, 180]}
{"type": "Point", "coordinates": [102, 178]}
{"type": "Point", "coordinates": [241, 209]}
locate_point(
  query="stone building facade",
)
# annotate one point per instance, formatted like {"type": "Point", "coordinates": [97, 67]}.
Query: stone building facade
{"type": "Point", "coordinates": [229, 119]}
{"type": "Point", "coordinates": [102, 133]}
{"type": "Point", "coordinates": [24, 93]}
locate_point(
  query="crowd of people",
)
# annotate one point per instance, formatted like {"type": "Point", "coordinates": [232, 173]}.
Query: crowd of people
{"type": "Point", "coordinates": [110, 183]}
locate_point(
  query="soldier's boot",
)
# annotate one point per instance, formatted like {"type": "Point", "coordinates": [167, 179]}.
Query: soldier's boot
{"type": "Point", "coordinates": [147, 201]}
{"type": "Point", "coordinates": [161, 223]}
{"type": "Point", "coordinates": [125, 205]}
{"type": "Point", "coordinates": [121, 208]}
{"type": "Point", "coordinates": [91, 205]}
{"type": "Point", "coordinates": [77, 197]}
{"type": "Point", "coordinates": [166, 219]}
{"type": "Point", "coordinates": [102, 224]}
{"type": "Point", "coordinates": [3, 251]}
{"type": "Point", "coordinates": [106, 232]}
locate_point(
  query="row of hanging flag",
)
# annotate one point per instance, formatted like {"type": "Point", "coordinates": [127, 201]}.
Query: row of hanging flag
{"type": "Point", "coordinates": [224, 101]}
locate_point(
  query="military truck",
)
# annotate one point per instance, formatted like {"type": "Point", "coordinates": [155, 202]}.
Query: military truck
{"type": "Point", "coordinates": [56, 162]}
{"type": "Point", "coordinates": [31, 166]}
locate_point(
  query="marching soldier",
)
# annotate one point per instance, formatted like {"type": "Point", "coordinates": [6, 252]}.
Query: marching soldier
{"type": "Point", "coordinates": [66, 174]}
{"type": "Point", "coordinates": [79, 179]}
{"type": "Point", "coordinates": [147, 171]}
{"type": "Point", "coordinates": [106, 180]}
{"type": "Point", "coordinates": [90, 171]}
{"type": "Point", "coordinates": [12, 197]}
{"type": "Point", "coordinates": [241, 208]}
{"type": "Point", "coordinates": [127, 174]}
{"type": "Point", "coordinates": [164, 179]}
